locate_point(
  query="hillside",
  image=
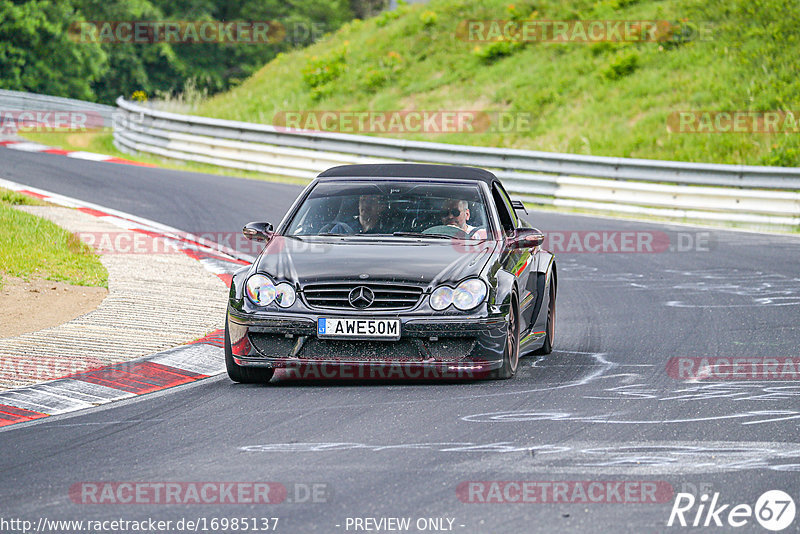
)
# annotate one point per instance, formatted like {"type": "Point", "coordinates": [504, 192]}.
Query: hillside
{"type": "Point", "coordinates": [600, 98]}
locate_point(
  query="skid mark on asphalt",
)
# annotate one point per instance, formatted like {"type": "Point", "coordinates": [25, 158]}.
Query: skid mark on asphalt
{"type": "Point", "coordinates": [597, 364]}
{"type": "Point", "coordinates": [753, 288]}
{"type": "Point", "coordinates": [616, 418]}
{"type": "Point", "coordinates": [646, 458]}
{"type": "Point", "coordinates": [737, 391]}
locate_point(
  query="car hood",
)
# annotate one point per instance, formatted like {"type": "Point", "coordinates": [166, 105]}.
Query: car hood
{"type": "Point", "coordinates": [421, 262]}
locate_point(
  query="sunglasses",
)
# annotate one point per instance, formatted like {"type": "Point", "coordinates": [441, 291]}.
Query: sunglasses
{"type": "Point", "coordinates": [455, 212]}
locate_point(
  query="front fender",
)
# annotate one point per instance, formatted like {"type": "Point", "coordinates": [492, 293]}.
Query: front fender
{"type": "Point", "coordinates": [506, 283]}
{"type": "Point", "coordinates": [544, 262]}
{"type": "Point", "coordinates": [237, 283]}
{"type": "Point", "coordinates": [543, 298]}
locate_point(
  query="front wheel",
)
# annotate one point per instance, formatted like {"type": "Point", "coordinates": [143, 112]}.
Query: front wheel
{"type": "Point", "coordinates": [511, 352]}
{"type": "Point", "coordinates": [550, 330]}
{"type": "Point", "coordinates": [238, 373]}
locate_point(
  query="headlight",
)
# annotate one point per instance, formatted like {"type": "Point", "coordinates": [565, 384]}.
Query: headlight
{"type": "Point", "coordinates": [441, 298]}
{"type": "Point", "coordinates": [466, 296]}
{"type": "Point", "coordinates": [284, 295]}
{"type": "Point", "coordinates": [260, 290]}
{"type": "Point", "coordinates": [469, 294]}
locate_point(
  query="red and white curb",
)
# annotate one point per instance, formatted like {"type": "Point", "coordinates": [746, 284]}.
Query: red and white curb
{"type": "Point", "coordinates": [29, 146]}
{"type": "Point", "coordinates": [174, 367]}
{"type": "Point", "coordinates": [95, 387]}
{"type": "Point", "coordinates": [201, 359]}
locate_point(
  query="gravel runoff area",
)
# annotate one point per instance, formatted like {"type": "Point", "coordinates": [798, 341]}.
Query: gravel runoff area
{"type": "Point", "coordinates": [155, 302]}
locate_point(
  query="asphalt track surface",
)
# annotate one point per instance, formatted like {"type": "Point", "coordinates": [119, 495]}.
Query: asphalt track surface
{"type": "Point", "coordinates": [602, 407]}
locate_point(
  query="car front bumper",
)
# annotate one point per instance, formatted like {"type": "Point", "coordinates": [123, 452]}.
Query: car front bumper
{"type": "Point", "coordinates": [429, 347]}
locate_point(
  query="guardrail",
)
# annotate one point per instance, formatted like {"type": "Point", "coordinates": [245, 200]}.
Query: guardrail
{"type": "Point", "coordinates": [20, 101]}
{"type": "Point", "coordinates": [700, 191]}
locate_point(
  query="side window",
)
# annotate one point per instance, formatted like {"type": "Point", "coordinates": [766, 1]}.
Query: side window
{"type": "Point", "coordinates": [507, 216]}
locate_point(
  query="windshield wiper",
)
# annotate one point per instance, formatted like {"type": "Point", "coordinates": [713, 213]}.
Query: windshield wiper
{"type": "Point", "coordinates": [421, 234]}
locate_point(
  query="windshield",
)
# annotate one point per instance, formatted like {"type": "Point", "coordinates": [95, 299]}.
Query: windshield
{"type": "Point", "coordinates": [401, 209]}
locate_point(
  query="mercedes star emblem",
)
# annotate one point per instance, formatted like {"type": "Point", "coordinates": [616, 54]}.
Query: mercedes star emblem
{"type": "Point", "coordinates": [361, 297]}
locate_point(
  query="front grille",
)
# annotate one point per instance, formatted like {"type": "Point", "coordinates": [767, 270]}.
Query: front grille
{"type": "Point", "coordinates": [387, 296]}
{"type": "Point", "coordinates": [404, 350]}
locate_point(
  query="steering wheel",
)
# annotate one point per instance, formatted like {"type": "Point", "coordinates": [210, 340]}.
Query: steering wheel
{"type": "Point", "coordinates": [446, 229]}
{"type": "Point", "coordinates": [336, 227]}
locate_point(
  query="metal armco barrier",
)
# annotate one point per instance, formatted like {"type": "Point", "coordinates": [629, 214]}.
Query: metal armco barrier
{"type": "Point", "coordinates": [700, 191]}
{"type": "Point", "coordinates": [19, 101]}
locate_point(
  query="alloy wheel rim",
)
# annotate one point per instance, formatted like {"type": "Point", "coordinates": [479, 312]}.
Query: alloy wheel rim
{"type": "Point", "coordinates": [551, 320]}
{"type": "Point", "coordinates": [513, 353]}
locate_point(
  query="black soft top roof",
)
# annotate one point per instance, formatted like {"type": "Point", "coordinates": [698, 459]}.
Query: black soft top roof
{"type": "Point", "coordinates": [410, 170]}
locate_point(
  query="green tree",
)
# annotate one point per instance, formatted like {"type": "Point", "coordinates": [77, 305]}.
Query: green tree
{"type": "Point", "coordinates": [148, 67]}
{"type": "Point", "coordinates": [37, 55]}
{"type": "Point", "coordinates": [216, 67]}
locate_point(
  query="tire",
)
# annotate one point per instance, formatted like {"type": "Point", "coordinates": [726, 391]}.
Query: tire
{"type": "Point", "coordinates": [238, 373]}
{"type": "Point", "coordinates": [511, 352]}
{"type": "Point", "coordinates": [550, 329]}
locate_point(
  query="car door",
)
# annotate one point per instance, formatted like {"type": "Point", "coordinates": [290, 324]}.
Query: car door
{"type": "Point", "coordinates": [518, 262]}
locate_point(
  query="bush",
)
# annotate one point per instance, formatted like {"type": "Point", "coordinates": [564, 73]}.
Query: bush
{"type": "Point", "coordinates": [389, 65]}
{"type": "Point", "coordinates": [323, 91]}
{"type": "Point", "coordinates": [386, 17]}
{"type": "Point", "coordinates": [782, 156]}
{"type": "Point", "coordinates": [428, 18]}
{"type": "Point", "coordinates": [495, 50]}
{"type": "Point", "coordinates": [324, 70]}
{"type": "Point", "coordinates": [374, 79]}
{"type": "Point", "coordinates": [621, 66]}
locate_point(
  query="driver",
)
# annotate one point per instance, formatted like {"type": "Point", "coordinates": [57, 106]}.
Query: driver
{"type": "Point", "coordinates": [372, 214]}
{"type": "Point", "coordinates": [455, 212]}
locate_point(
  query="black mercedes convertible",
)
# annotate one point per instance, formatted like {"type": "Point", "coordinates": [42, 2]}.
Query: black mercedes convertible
{"type": "Point", "coordinates": [393, 271]}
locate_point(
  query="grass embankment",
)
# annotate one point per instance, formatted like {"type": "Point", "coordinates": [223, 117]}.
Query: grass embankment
{"type": "Point", "coordinates": [32, 247]}
{"type": "Point", "coordinates": [611, 99]}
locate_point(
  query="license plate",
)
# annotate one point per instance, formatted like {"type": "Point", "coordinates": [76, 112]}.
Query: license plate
{"type": "Point", "coordinates": [333, 327]}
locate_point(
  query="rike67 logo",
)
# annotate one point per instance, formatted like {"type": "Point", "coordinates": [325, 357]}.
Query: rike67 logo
{"type": "Point", "coordinates": [774, 510]}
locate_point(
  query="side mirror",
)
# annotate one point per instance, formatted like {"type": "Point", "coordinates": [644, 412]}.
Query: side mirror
{"type": "Point", "coordinates": [526, 238]}
{"type": "Point", "coordinates": [258, 231]}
